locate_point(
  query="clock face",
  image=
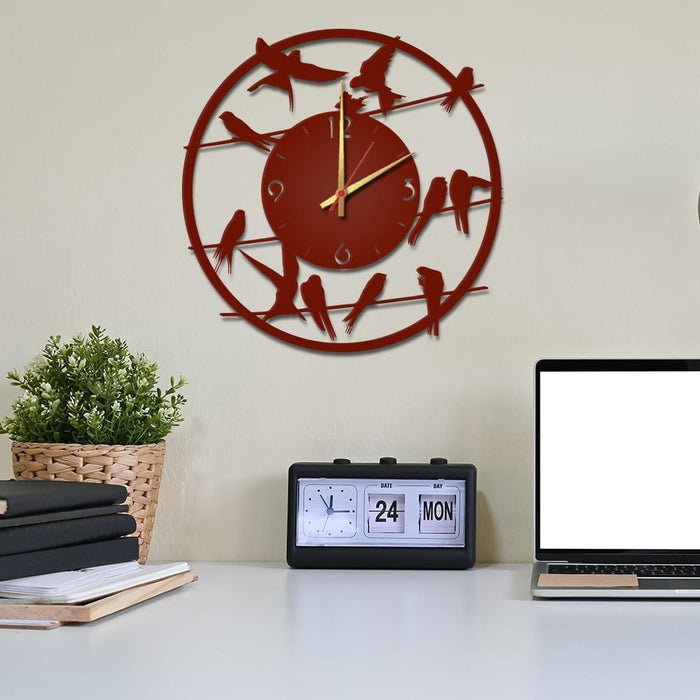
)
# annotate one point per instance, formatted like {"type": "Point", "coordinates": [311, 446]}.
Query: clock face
{"type": "Point", "coordinates": [370, 512]}
{"type": "Point", "coordinates": [342, 191]}
{"type": "Point", "coordinates": [302, 171]}
{"type": "Point", "coordinates": [329, 510]}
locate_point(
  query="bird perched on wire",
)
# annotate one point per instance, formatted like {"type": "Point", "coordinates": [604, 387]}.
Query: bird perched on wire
{"type": "Point", "coordinates": [285, 66]}
{"type": "Point", "coordinates": [433, 286]}
{"type": "Point", "coordinates": [240, 130]}
{"type": "Point", "coordinates": [352, 105]}
{"type": "Point", "coordinates": [433, 202]}
{"type": "Point", "coordinates": [461, 187]}
{"type": "Point", "coordinates": [315, 299]}
{"type": "Point", "coordinates": [229, 238]}
{"type": "Point", "coordinates": [368, 296]}
{"type": "Point", "coordinates": [372, 77]}
{"type": "Point", "coordinates": [286, 285]}
{"type": "Point", "coordinates": [463, 84]}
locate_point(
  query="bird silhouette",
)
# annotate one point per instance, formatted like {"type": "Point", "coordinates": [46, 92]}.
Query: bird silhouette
{"type": "Point", "coordinates": [352, 105]}
{"type": "Point", "coordinates": [285, 66]}
{"type": "Point", "coordinates": [239, 129]}
{"type": "Point", "coordinates": [433, 202]}
{"type": "Point", "coordinates": [461, 187]}
{"type": "Point", "coordinates": [231, 235]}
{"type": "Point", "coordinates": [315, 299]}
{"type": "Point", "coordinates": [433, 285]}
{"type": "Point", "coordinates": [372, 77]}
{"type": "Point", "coordinates": [367, 297]}
{"type": "Point", "coordinates": [463, 84]}
{"type": "Point", "coordinates": [285, 283]}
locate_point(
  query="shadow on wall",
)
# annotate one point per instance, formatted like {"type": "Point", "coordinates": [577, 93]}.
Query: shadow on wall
{"type": "Point", "coordinates": [251, 521]}
{"type": "Point", "coordinates": [486, 540]}
{"type": "Point", "coordinates": [270, 496]}
{"type": "Point", "coordinates": [8, 394]}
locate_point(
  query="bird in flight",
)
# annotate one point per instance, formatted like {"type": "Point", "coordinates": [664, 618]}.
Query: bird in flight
{"type": "Point", "coordinates": [286, 66]}
{"type": "Point", "coordinates": [231, 235]}
{"type": "Point", "coordinates": [285, 283]}
{"type": "Point", "coordinates": [433, 285]}
{"type": "Point", "coordinates": [372, 77]}
{"type": "Point", "coordinates": [463, 84]}
{"type": "Point", "coordinates": [368, 296]}
{"type": "Point", "coordinates": [433, 202]}
{"type": "Point", "coordinates": [239, 129]}
{"type": "Point", "coordinates": [461, 187]}
{"type": "Point", "coordinates": [315, 299]}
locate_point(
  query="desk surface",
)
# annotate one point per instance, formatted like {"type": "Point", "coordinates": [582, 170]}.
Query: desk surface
{"type": "Point", "coordinates": [264, 631]}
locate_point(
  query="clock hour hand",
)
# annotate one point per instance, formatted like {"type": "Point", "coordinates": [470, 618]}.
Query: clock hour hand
{"type": "Point", "coordinates": [366, 180]}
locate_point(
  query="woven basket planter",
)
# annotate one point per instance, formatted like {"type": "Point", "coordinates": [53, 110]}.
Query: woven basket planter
{"type": "Point", "coordinates": [138, 467]}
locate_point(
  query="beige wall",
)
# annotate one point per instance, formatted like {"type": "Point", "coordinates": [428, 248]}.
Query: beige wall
{"type": "Point", "coordinates": [595, 108]}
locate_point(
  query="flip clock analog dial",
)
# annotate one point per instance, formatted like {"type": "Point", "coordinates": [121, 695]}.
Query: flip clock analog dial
{"type": "Point", "coordinates": [329, 510]}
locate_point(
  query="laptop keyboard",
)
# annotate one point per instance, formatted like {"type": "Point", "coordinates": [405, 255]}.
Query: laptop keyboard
{"type": "Point", "coordinates": [642, 570]}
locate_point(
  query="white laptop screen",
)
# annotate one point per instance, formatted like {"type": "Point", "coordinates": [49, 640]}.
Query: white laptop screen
{"type": "Point", "coordinates": [619, 460]}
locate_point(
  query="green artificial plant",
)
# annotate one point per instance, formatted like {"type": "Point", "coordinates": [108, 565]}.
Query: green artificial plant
{"type": "Point", "coordinates": [92, 390]}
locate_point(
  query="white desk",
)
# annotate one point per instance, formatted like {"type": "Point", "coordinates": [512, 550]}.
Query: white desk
{"type": "Point", "coordinates": [265, 631]}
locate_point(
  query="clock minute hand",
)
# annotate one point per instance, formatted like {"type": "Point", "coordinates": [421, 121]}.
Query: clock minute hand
{"type": "Point", "coordinates": [366, 180]}
{"type": "Point", "coordinates": [341, 151]}
{"type": "Point", "coordinates": [339, 195]}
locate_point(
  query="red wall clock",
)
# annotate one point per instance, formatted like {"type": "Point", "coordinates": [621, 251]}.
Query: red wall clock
{"type": "Point", "coordinates": [342, 191]}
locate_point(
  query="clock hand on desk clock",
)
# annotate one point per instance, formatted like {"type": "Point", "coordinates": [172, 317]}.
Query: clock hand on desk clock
{"type": "Point", "coordinates": [333, 510]}
{"type": "Point", "coordinates": [364, 181]}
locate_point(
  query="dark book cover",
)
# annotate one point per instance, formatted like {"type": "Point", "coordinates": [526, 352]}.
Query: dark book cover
{"type": "Point", "coordinates": [79, 556]}
{"type": "Point", "coordinates": [31, 538]}
{"type": "Point", "coordinates": [29, 497]}
{"type": "Point", "coordinates": [62, 515]}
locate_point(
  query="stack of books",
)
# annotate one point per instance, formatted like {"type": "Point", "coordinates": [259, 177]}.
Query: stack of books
{"type": "Point", "coordinates": [51, 526]}
{"type": "Point", "coordinates": [66, 557]}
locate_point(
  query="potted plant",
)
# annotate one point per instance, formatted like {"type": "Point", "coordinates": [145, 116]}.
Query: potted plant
{"type": "Point", "coordinates": [91, 411]}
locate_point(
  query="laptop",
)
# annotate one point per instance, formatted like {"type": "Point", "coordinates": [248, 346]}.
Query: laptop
{"type": "Point", "coordinates": [617, 478]}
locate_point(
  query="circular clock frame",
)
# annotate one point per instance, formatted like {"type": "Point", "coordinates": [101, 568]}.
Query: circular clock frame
{"type": "Point", "coordinates": [479, 260]}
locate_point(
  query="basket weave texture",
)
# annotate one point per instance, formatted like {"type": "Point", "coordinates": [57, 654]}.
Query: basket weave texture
{"type": "Point", "coordinates": [138, 467]}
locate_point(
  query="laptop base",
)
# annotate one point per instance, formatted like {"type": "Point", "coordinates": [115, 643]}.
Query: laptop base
{"type": "Point", "coordinates": [659, 588]}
